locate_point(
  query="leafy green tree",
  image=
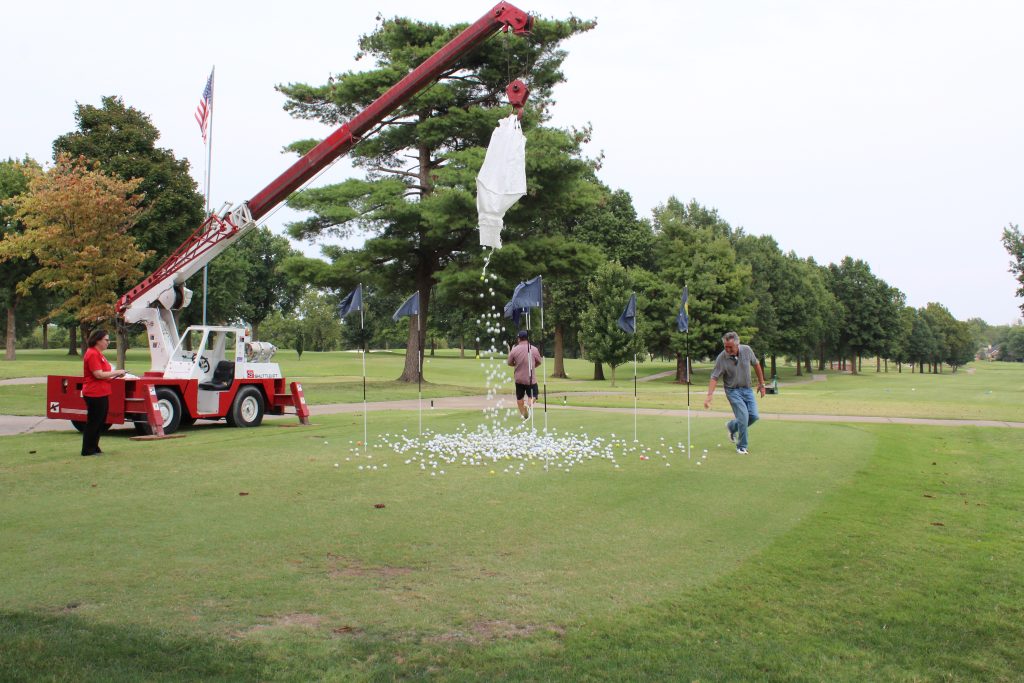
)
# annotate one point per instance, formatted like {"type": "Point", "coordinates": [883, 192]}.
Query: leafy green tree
{"type": "Point", "coordinates": [78, 223]}
{"type": "Point", "coordinates": [772, 283]}
{"type": "Point", "coordinates": [123, 140]}
{"type": "Point", "coordinates": [694, 247]}
{"type": "Point", "coordinates": [14, 181]}
{"type": "Point", "coordinates": [901, 345]}
{"type": "Point", "coordinates": [1011, 344]}
{"type": "Point", "coordinates": [421, 214]}
{"type": "Point", "coordinates": [983, 333]}
{"type": "Point", "coordinates": [805, 308]}
{"type": "Point", "coordinates": [960, 345]}
{"type": "Point", "coordinates": [320, 326]}
{"type": "Point", "coordinates": [604, 341]}
{"type": "Point", "coordinates": [954, 343]}
{"type": "Point", "coordinates": [607, 228]}
{"type": "Point", "coordinates": [940, 321]}
{"type": "Point", "coordinates": [866, 304]}
{"type": "Point", "coordinates": [1013, 241]}
{"type": "Point", "coordinates": [611, 224]}
{"type": "Point", "coordinates": [890, 316]}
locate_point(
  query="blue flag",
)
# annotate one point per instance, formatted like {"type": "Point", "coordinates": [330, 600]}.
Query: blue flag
{"type": "Point", "coordinates": [529, 294]}
{"type": "Point", "coordinates": [683, 319]}
{"type": "Point", "coordinates": [627, 321]}
{"type": "Point", "coordinates": [351, 303]}
{"type": "Point", "coordinates": [410, 307]}
{"type": "Point", "coordinates": [514, 313]}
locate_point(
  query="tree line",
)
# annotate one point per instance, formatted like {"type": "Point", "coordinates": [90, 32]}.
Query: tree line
{"type": "Point", "coordinates": [113, 205]}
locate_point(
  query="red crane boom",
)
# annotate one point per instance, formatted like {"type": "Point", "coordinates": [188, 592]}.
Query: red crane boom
{"type": "Point", "coordinates": [217, 232]}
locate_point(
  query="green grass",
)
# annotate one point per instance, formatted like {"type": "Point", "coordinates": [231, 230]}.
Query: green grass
{"type": "Point", "coordinates": [818, 557]}
{"type": "Point", "coordinates": [982, 391]}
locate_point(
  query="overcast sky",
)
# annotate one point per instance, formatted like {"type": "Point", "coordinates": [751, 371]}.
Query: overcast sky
{"type": "Point", "coordinates": [889, 131]}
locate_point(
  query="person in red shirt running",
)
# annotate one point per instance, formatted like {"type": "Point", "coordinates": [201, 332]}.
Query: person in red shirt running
{"type": "Point", "coordinates": [96, 390]}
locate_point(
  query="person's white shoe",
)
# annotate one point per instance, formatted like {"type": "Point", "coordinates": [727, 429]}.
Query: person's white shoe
{"type": "Point", "coordinates": [741, 451]}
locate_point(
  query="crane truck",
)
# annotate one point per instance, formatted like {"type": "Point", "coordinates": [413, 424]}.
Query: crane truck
{"type": "Point", "coordinates": [220, 372]}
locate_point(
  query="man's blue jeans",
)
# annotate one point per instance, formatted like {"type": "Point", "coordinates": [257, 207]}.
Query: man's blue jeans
{"type": "Point", "coordinates": [744, 407]}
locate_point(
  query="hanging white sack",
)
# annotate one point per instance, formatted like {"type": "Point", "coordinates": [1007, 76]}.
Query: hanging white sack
{"type": "Point", "coordinates": [502, 179]}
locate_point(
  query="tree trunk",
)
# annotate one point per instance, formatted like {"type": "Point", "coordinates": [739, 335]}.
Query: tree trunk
{"type": "Point", "coordinates": [853, 365]}
{"type": "Point", "coordinates": [598, 372]}
{"type": "Point", "coordinates": [821, 357]}
{"type": "Point", "coordinates": [9, 354]}
{"type": "Point", "coordinates": [413, 370]}
{"type": "Point", "coordinates": [807, 365]}
{"type": "Point", "coordinates": [799, 369]}
{"type": "Point", "coordinates": [462, 346]}
{"type": "Point", "coordinates": [878, 364]}
{"type": "Point", "coordinates": [122, 345]}
{"type": "Point", "coordinates": [72, 340]}
{"type": "Point", "coordinates": [773, 366]}
{"type": "Point", "coordinates": [433, 346]}
{"type": "Point", "coordinates": [255, 327]}
{"type": "Point", "coordinates": [559, 353]}
{"type": "Point", "coordinates": [46, 334]}
{"type": "Point", "coordinates": [680, 368]}
{"type": "Point", "coordinates": [613, 375]}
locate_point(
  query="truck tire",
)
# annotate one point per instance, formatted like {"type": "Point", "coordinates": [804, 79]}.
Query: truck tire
{"type": "Point", "coordinates": [169, 405]}
{"type": "Point", "coordinates": [247, 408]}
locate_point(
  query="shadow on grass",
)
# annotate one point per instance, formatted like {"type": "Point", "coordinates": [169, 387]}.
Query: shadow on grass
{"type": "Point", "coordinates": [69, 648]}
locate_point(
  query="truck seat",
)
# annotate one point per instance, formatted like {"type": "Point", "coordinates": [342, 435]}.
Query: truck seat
{"type": "Point", "coordinates": [222, 378]}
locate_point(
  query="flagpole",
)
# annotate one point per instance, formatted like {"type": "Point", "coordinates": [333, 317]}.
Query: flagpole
{"type": "Point", "coordinates": [529, 364]}
{"type": "Point", "coordinates": [363, 349]}
{"type": "Point", "coordinates": [419, 364]}
{"type": "Point", "coordinates": [206, 177]}
{"type": "Point", "coordinates": [689, 448]}
{"type": "Point", "coordinates": [543, 364]}
{"type": "Point", "coordinates": [635, 439]}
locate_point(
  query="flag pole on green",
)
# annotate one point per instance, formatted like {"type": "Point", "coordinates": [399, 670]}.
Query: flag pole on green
{"type": "Point", "coordinates": [627, 323]}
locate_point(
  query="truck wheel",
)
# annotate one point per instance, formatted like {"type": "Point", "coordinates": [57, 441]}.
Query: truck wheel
{"type": "Point", "coordinates": [169, 406]}
{"type": "Point", "coordinates": [80, 426]}
{"type": "Point", "coordinates": [247, 409]}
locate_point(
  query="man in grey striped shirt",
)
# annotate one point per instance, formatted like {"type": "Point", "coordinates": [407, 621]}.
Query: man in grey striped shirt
{"type": "Point", "coordinates": [733, 366]}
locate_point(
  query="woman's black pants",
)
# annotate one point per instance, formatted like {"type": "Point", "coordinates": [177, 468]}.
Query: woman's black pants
{"type": "Point", "coordinates": [96, 418]}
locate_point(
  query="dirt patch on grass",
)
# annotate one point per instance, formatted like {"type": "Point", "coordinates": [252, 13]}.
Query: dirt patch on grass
{"type": "Point", "coordinates": [486, 631]}
{"type": "Point", "coordinates": [293, 620]}
{"type": "Point", "coordinates": [342, 567]}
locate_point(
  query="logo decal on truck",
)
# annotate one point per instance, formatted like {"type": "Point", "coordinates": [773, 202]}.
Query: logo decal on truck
{"type": "Point", "coordinates": [54, 406]}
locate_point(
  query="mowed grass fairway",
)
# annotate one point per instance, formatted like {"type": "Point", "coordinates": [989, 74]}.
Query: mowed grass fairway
{"type": "Point", "coordinates": [982, 391]}
{"type": "Point", "coordinates": [832, 552]}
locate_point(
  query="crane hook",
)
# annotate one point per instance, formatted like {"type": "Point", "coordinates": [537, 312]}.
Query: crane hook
{"type": "Point", "coordinates": [517, 93]}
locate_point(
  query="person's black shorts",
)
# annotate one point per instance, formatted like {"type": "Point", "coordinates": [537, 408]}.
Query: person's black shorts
{"type": "Point", "coordinates": [524, 390]}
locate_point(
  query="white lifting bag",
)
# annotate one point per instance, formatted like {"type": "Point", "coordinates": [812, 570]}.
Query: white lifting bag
{"type": "Point", "coordinates": [502, 179]}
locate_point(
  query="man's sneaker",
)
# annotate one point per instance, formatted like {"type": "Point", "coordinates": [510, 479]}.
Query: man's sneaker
{"type": "Point", "coordinates": [741, 451]}
{"type": "Point", "coordinates": [732, 434]}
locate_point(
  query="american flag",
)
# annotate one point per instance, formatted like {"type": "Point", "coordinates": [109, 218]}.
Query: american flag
{"type": "Point", "coordinates": [205, 107]}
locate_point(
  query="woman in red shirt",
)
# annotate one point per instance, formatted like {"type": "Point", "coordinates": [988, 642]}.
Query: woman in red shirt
{"type": "Point", "coordinates": [96, 390]}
